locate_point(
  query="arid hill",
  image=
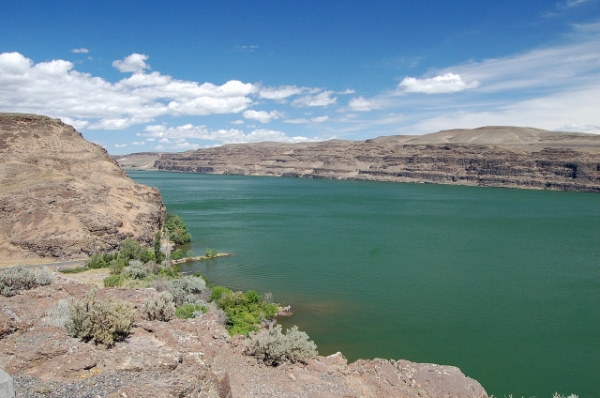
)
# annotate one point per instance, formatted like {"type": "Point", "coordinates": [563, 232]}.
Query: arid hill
{"type": "Point", "coordinates": [512, 157]}
{"type": "Point", "coordinates": [62, 197]}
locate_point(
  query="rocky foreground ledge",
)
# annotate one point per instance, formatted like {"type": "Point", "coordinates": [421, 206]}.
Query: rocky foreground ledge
{"type": "Point", "coordinates": [187, 358]}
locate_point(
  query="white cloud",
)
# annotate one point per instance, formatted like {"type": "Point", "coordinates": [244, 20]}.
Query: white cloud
{"type": "Point", "coordinates": [322, 99]}
{"type": "Point", "coordinates": [580, 128]}
{"type": "Point", "coordinates": [135, 63]}
{"type": "Point", "coordinates": [360, 104]}
{"type": "Point", "coordinates": [80, 50]}
{"type": "Point", "coordinates": [238, 122]}
{"type": "Point", "coordinates": [138, 143]}
{"type": "Point", "coordinates": [319, 119]}
{"type": "Point", "coordinates": [224, 136]}
{"type": "Point", "coordinates": [120, 145]}
{"type": "Point", "coordinates": [447, 83]}
{"type": "Point", "coordinates": [280, 93]}
{"type": "Point", "coordinates": [54, 88]}
{"type": "Point", "coordinates": [261, 116]}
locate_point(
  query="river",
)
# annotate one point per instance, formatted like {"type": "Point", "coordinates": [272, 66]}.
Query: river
{"type": "Point", "coordinates": [503, 283]}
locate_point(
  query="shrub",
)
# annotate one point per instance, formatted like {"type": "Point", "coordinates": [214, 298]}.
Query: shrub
{"type": "Point", "coordinates": [117, 266]}
{"type": "Point", "coordinates": [103, 321]}
{"type": "Point", "coordinates": [114, 281]}
{"type": "Point", "coordinates": [187, 311]}
{"type": "Point", "coordinates": [210, 253]}
{"type": "Point", "coordinates": [177, 254]}
{"type": "Point", "coordinates": [15, 279]}
{"type": "Point", "coordinates": [218, 292]}
{"type": "Point", "coordinates": [161, 307]}
{"type": "Point", "coordinates": [136, 270]}
{"type": "Point", "coordinates": [59, 315]}
{"type": "Point", "coordinates": [178, 231]}
{"type": "Point", "coordinates": [97, 261]}
{"type": "Point", "coordinates": [244, 311]}
{"type": "Point", "coordinates": [44, 277]}
{"type": "Point", "coordinates": [184, 289]}
{"type": "Point", "coordinates": [273, 347]}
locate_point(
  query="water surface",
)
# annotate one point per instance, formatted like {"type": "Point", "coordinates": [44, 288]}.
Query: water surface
{"type": "Point", "coordinates": [504, 284]}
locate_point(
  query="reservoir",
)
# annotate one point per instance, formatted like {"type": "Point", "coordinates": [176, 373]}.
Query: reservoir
{"type": "Point", "coordinates": [502, 283]}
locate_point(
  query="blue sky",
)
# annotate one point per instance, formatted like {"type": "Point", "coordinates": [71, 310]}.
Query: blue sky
{"type": "Point", "coordinates": [174, 75]}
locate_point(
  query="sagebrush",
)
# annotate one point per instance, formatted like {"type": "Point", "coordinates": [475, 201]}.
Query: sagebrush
{"type": "Point", "coordinates": [101, 321]}
{"type": "Point", "coordinates": [160, 307]}
{"type": "Point", "coordinates": [273, 347]}
{"type": "Point", "coordinates": [18, 278]}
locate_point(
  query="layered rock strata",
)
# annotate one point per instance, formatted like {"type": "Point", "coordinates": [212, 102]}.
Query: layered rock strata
{"type": "Point", "coordinates": [489, 156]}
{"type": "Point", "coordinates": [62, 197]}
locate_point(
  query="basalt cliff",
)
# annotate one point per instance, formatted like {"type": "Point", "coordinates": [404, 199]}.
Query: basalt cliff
{"type": "Point", "coordinates": [512, 157]}
{"type": "Point", "coordinates": [62, 197]}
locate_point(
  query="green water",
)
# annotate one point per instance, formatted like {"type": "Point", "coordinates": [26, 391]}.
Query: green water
{"type": "Point", "coordinates": [504, 284]}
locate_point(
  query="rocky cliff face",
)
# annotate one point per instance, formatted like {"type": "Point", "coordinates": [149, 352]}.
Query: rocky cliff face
{"type": "Point", "coordinates": [187, 358]}
{"type": "Point", "coordinates": [62, 197]}
{"type": "Point", "coordinates": [489, 156]}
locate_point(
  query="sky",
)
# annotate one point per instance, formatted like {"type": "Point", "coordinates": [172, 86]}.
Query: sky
{"type": "Point", "coordinates": [154, 75]}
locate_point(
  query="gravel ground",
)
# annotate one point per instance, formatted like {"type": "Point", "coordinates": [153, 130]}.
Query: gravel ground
{"type": "Point", "coordinates": [94, 387]}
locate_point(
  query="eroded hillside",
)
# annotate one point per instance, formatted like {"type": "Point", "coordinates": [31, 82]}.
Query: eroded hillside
{"type": "Point", "coordinates": [62, 197]}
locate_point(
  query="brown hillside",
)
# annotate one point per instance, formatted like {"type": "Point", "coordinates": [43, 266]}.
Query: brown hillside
{"type": "Point", "coordinates": [512, 157]}
{"type": "Point", "coordinates": [62, 197]}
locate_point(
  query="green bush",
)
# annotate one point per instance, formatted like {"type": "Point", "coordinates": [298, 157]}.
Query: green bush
{"type": "Point", "coordinates": [160, 307]}
{"type": "Point", "coordinates": [273, 347]}
{"type": "Point", "coordinates": [187, 311]}
{"type": "Point", "coordinates": [117, 266]}
{"type": "Point", "coordinates": [103, 321]}
{"type": "Point", "coordinates": [244, 311]}
{"type": "Point", "coordinates": [210, 253]}
{"type": "Point", "coordinates": [97, 261]}
{"type": "Point", "coordinates": [218, 292]}
{"type": "Point", "coordinates": [114, 281]}
{"type": "Point", "coordinates": [178, 231]}
{"type": "Point", "coordinates": [177, 254]}
{"type": "Point", "coordinates": [15, 279]}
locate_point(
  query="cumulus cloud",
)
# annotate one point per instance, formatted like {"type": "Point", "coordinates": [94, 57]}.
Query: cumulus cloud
{"type": "Point", "coordinates": [56, 89]}
{"type": "Point", "coordinates": [360, 104]}
{"type": "Point", "coordinates": [135, 63]}
{"type": "Point", "coordinates": [261, 116]}
{"type": "Point", "coordinates": [447, 83]}
{"type": "Point", "coordinates": [80, 51]}
{"type": "Point", "coordinates": [322, 99]}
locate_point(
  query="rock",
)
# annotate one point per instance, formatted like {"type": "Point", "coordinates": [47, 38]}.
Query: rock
{"type": "Point", "coordinates": [7, 389]}
{"type": "Point", "coordinates": [190, 358]}
{"type": "Point", "coordinates": [512, 157]}
{"type": "Point", "coordinates": [62, 197]}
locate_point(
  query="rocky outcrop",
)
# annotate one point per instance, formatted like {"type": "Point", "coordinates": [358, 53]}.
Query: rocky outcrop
{"type": "Point", "coordinates": [188, 358]}
{"type": "Point", "coordinates": [62, 197]}
{"type": "Point", "coordinates": [489, 156]}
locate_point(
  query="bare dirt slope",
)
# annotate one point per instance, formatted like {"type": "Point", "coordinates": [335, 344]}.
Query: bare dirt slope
{"type": "Point", "coordinates": [513, 157]}
{"type": "Point", "coordinates": [62, 197]}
